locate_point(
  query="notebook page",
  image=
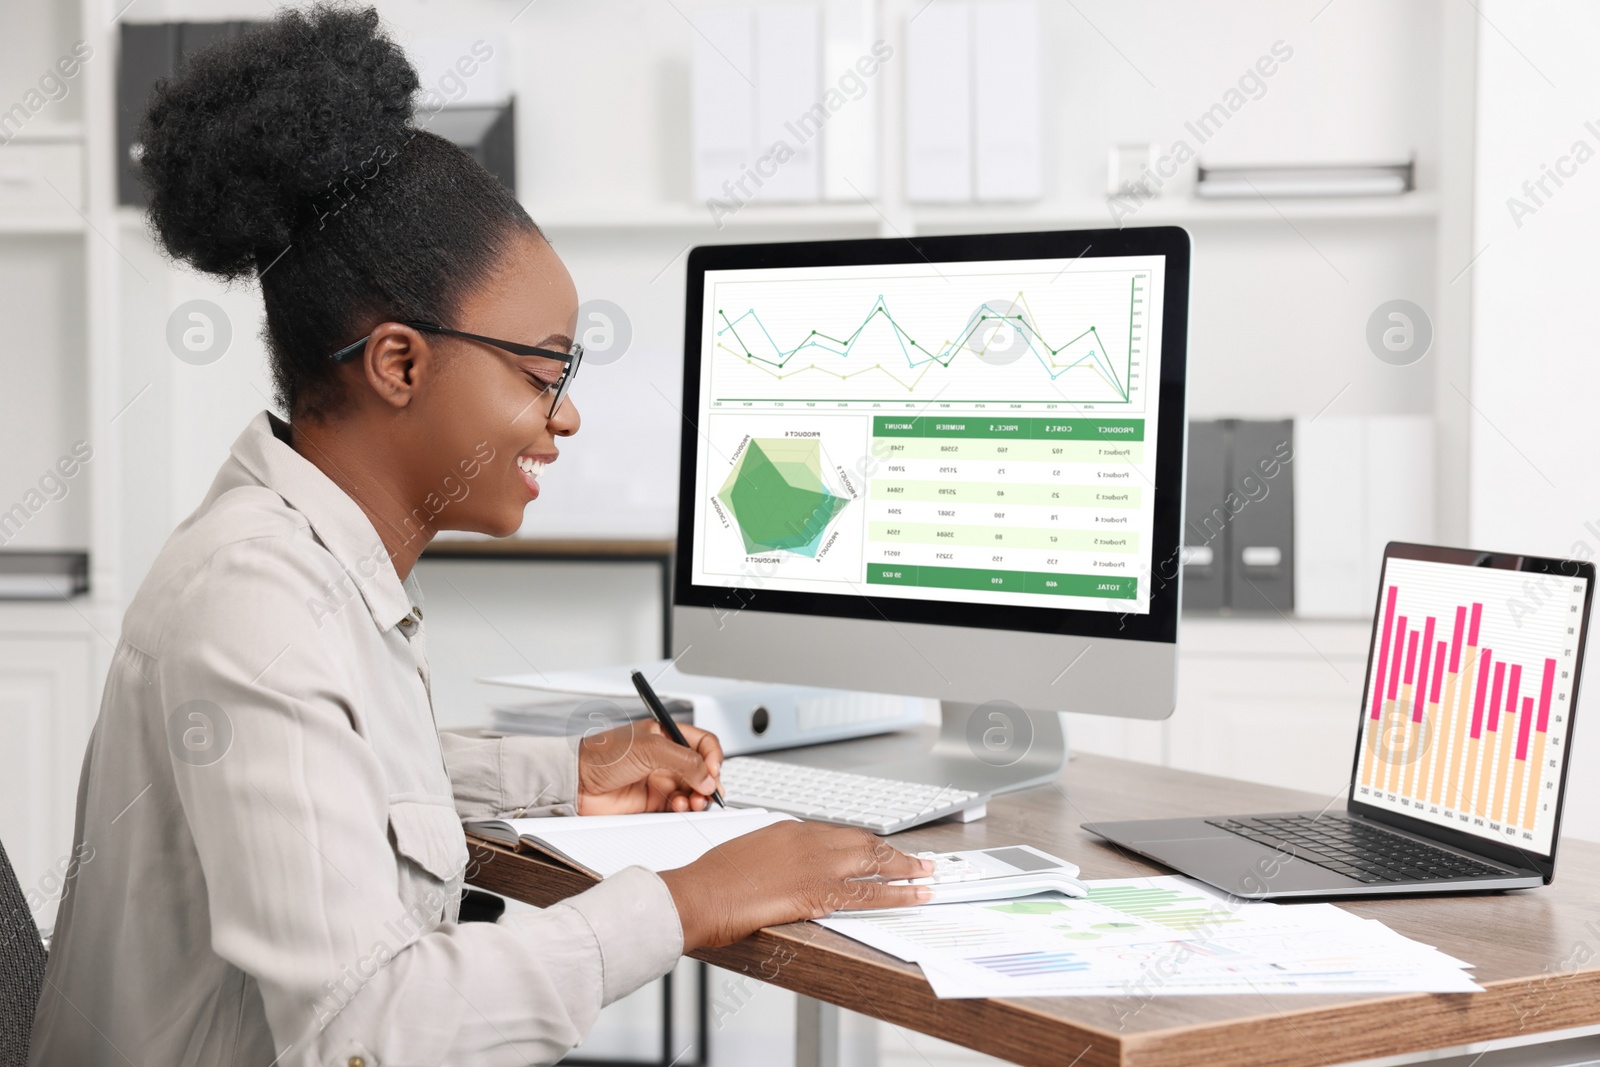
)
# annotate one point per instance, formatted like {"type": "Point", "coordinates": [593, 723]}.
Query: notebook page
{"type": "Point", "coordinates": [659, 841]}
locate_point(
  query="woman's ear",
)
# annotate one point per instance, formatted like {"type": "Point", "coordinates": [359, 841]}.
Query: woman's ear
{"type": "Point", "coordinates": [396, 360]}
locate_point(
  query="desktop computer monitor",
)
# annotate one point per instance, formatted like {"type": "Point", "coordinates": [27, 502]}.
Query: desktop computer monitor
{"type": "Point", "coordinates": [946, 467]}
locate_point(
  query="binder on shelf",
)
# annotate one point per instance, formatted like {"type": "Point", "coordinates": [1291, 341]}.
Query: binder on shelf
{"type": "Point", "coordinates": [1205, 519]}
{"type": "Point", "coordinates": [1330, 517]}
{"type": "Point", "coordinates": [723, 99]}
{"type": "Point", "coordinates": [1006, 100]}
{"type": "Point", "coordinates": [850, 139]}
{"type": "Point", "coordinates": [1238, 528]}
{"type": "Point", "coordinates": [150, 52]}
{"type": "Point", "coordinates": [1352, 497]}
{"type": "Point", "coordinates": [789, 111]}
{"type": "Point", "coordinates": [1261, 553]}
{"type": "Point", "coordinates": [938, 106]}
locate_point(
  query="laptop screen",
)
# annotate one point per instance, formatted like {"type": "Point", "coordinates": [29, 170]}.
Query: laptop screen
{"type": "Point", "coordinates": [1468, 701]}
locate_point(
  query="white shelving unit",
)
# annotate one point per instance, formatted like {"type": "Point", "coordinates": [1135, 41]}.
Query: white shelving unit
{"type": "Point", "coordinates": [52, 655]}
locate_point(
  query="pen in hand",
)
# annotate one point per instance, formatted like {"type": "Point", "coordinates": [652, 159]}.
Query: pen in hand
{"type": "Point", "coordinates": [653, 702]}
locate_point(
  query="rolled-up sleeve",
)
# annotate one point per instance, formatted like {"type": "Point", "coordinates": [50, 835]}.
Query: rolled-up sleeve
{"type": "Point", "coordinates": [511, 777]}
{"type": "Point", "coordinates": [303, 883]}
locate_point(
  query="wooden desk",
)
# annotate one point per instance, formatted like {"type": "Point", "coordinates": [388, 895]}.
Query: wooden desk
{"type": "Point", "coordinates": [1537, 951]}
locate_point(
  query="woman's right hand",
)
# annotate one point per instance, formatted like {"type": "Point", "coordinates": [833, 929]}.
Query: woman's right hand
{"type": "Point", "coordinates": [785, 873]}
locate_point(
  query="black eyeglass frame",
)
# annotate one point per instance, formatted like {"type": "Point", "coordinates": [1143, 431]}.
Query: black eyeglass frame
{"type": "Point", "coordinates": [571, 360]}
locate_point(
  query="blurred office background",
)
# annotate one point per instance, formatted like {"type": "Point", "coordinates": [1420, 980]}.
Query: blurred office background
{"type": "Point", "coordinates": [1417, 323]}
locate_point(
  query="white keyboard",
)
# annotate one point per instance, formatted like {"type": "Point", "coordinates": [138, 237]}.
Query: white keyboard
{"type": "Point", "coordinates": [882, 805]}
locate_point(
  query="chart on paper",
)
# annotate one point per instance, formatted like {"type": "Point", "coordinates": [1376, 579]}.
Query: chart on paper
{"type": "Point", "coordinates": [1166, 933]}
{"type": "Point", "coordinates": [1469, 700]}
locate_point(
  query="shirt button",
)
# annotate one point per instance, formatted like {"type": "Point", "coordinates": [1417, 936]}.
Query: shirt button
{"type": "Point", "coordinates": [418, 612]}
{"type": "Point", "coordinates": [357, 1061]}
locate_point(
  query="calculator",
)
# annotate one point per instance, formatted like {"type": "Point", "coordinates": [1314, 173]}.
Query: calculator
{"type": "Point", "coordinates": [997, 874]}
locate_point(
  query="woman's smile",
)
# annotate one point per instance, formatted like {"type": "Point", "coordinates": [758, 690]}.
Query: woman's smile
{"type": "Point", "coordinates": [530, 467]}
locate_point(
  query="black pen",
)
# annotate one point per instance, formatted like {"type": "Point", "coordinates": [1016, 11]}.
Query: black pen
{"type": "Point", "coordinates": [653, 702]}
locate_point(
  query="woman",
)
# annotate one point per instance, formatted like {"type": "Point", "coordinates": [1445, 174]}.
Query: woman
{"type": "Point", "coordinates": [269, 823]}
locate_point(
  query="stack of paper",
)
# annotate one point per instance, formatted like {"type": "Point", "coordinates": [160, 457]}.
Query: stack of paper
{"type": "Point", "coordinates": [1152, 937]}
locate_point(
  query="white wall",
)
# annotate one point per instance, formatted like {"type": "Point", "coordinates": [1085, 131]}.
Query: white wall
{"type": "Point", "coordinates": [1534, 378]}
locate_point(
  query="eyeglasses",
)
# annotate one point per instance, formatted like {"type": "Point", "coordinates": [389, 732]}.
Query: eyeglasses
{"type": "Point", "coordinates": [562, 373]}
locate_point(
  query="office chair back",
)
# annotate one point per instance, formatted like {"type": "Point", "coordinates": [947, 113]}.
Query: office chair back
{"type": "Point", "coordinates": [21, 968]}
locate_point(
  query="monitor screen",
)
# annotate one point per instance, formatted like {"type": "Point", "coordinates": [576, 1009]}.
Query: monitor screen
{"type": "Point", "coordinates": [979, 432]}
{"type": "Point", "coordinates": [1468, 704]}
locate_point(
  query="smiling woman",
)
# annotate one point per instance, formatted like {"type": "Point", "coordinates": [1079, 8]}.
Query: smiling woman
{"type": "Point", "coordinates": [278, 874]}
{"type": "Point", "coordinates": [387, 259]}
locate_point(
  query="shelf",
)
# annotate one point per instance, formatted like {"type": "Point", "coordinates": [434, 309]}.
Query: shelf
{"type": "Point", "coordinates": [693, 220]}
{"type": "Point", "coordinates": [1085, 213]}
{"type": "Point", "coordinates": [81, 617]}
{"type": "Point", "coordinates": [1181, 210]}
{"type": "Point", "coordinates": [48, 133]}
{"type": "Point", "coordinates": [693, 217]}
{"type": "Point", "coordinates": [50, 222]}
{"type": "Point", "coordinates": [663, 217]}
{"type": "Point", "coordinates": [688, 218]}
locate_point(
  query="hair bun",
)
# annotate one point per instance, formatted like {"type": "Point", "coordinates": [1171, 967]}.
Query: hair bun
{"type": "Point", "coordinates": [240, 146]}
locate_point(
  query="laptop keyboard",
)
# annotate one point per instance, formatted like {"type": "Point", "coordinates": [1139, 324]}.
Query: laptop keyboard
{"type": "Point", "coordinates": [1356, 849]}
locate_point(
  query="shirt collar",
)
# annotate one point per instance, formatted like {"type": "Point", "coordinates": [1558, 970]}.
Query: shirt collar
{"type": "Point", "coordinates": [340, 524]}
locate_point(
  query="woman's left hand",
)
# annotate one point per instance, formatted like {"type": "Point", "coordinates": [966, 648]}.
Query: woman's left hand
{"type": "Point", "coordinates": [637, 767]}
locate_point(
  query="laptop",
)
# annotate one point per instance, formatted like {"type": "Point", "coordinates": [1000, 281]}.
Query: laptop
{"type": "Point", "coordinates": [1461, 757]}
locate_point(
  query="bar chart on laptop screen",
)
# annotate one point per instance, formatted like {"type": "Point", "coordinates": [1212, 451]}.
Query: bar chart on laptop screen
{"type": "Point", "coordinates": [1469, 701]}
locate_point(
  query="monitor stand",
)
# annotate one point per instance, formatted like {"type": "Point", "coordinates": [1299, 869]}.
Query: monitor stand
{"type": "Point", "coordinates": [995, 747]}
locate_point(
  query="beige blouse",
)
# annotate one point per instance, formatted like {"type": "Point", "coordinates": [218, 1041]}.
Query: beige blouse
{"type": "Point", "coordinates": [269, 843]}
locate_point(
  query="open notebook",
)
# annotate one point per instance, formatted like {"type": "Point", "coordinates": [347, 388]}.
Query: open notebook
{"type": "Point", "coordinates": [602, 845]}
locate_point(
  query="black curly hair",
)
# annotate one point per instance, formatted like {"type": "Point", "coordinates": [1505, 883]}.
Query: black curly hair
{"type": "Point", "coordinates": [292, 153]}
